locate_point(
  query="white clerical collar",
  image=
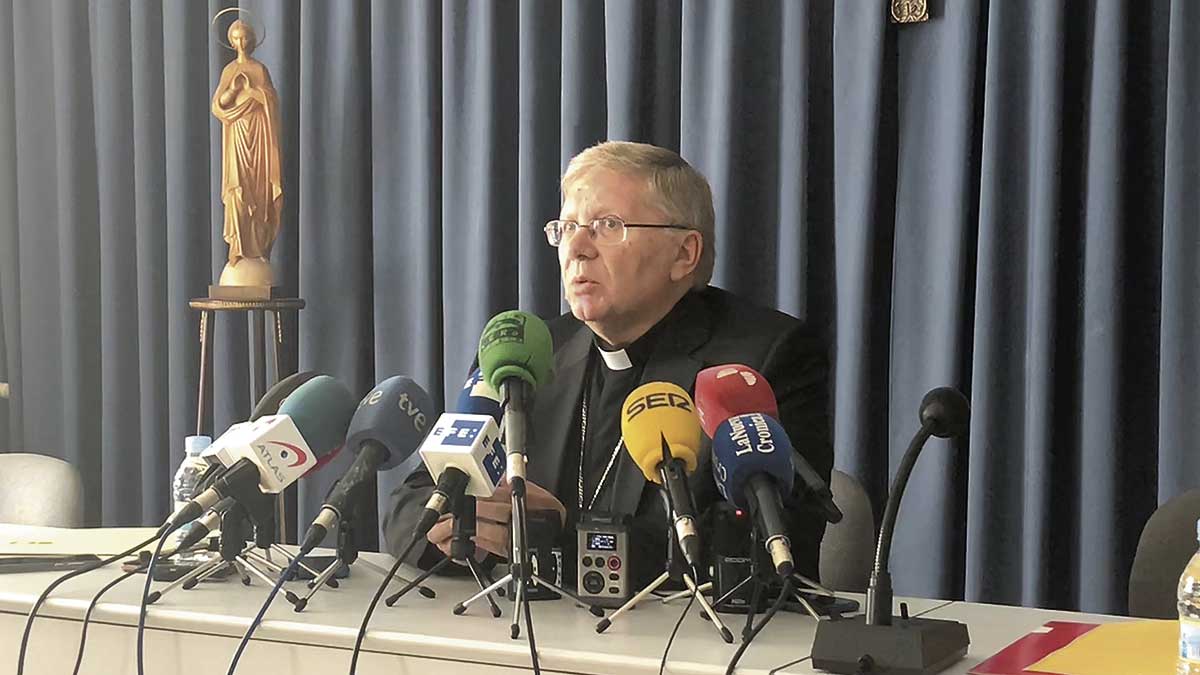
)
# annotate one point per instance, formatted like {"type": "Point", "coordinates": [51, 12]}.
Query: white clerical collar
{"type": "Point", "coordinates": [616, 359]}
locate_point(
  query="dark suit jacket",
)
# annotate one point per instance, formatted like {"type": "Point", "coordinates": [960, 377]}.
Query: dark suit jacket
{"type": "Point", "coordinates": [714, 327]}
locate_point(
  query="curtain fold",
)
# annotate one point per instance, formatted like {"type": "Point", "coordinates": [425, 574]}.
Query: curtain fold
{"type": "Point", "coordinates": [1002, 199]}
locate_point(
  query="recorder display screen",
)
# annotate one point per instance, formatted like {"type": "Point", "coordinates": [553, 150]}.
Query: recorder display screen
{"type": "Point", "coordinates": [601, 541]}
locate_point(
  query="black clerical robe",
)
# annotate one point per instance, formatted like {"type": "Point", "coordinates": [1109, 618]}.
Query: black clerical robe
{"type": "Point", "coordinates": [707, 327]}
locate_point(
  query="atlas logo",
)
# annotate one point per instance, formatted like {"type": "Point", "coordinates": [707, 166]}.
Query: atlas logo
{"type": "Point", "coordinates": [291, 455]}
{"type": "Point", "coordinates": [659, 399]}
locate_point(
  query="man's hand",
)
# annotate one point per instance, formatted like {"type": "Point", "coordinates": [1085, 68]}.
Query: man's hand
{"type": "Point", "coordinates": [492, 516]}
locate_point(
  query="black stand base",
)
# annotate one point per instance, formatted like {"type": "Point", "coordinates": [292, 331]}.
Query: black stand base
{"type": "Point", "coordinates": [906, 647]}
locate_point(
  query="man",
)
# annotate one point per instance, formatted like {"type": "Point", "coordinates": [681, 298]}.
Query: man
{"type": "Point", "coordinates": [635, 240]}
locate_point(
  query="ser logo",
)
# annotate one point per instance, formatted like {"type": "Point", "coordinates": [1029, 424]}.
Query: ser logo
{"type": "Point", "coordinates": [659, 399]}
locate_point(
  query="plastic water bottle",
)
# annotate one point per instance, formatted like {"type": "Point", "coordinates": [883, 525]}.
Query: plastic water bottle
{"type": "Point", "coordinates": [187, 477]}
{"type": "Point", "coordinates": [1189, 615]}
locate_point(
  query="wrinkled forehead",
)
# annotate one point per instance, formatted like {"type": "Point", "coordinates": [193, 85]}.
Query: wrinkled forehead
{"type": "Point", "coordinates": [605, 188]}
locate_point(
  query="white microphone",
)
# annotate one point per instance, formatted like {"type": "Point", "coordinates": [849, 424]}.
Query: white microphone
{"type": "Point", "coordinates": [273, 443]}
{"type": "Point", "coordinates": [464, 455]}
{"type": "Point", "coordinates": [271, 453]}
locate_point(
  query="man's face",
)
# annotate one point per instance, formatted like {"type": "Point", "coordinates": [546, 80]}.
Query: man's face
{"type": "Point", "coordinates": [614, 283]}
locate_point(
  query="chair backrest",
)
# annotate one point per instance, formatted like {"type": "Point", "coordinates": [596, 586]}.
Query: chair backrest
{"type": "Point", "coordinates": [848, 548]}
{"type": "Point", "coordinates": [39, 490]}
{"type": "Point", "coordinates": [1167, 543]}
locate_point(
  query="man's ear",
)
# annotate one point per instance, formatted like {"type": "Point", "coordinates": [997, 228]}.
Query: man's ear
{"type": "Point", "coordinates": [687, 255]}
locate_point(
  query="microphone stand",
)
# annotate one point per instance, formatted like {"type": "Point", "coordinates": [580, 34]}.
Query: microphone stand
{"type": "Point", "coordinates": [252, 509]}
{"type": "Point", "coordinates": [875, 642]}
{"type": "Point", "coordinates": [346, 556]}
{"type": "Point", "coordinates": [462, 550]}
{"type": "Point", "coordinates": [514, 392]}
{"type": "Point", "coordinates": [676, 571]}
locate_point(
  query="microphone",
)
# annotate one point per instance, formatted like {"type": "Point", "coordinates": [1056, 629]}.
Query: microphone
{"type": "Point", "coordinates": [478, 397]}
{"type": "Point", "coordinates": [915, 645]}
{"type": "Point", "coordinates": [276, 395]}
{"type": "Point", "coordinates": [464, 455]}
{"type": "Point", "coordinates": [386, 428]}
{"type": "Point", "coordinates": [203, 526]}
{"type": "Point", "coordinates": [734, 389]}
{"type": "Point", "coordinates": [516, 356]}
{"type": "Point", "coordinates": [662, 435]}
{"type": "Point", "coordinates": [274, 451]}
{"type": "Point", "coordinates": [751, 464]}
{"type": "Point", "coordinates": [452, 469]}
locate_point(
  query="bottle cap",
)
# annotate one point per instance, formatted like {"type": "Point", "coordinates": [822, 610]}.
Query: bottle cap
{"type": "Point", "coordinates": [194, 445]}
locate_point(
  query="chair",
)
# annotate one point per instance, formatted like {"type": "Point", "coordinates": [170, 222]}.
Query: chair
{"type": "Point", "coordinates": [848, 548]}
{"type": "Point", "coordinates": [1167, 543]}
{"type": "Point", "coordinates": [39, 490]}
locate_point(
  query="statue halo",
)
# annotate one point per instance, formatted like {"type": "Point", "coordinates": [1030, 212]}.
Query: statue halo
{"type": "Point", "coordinates": [262, 37]}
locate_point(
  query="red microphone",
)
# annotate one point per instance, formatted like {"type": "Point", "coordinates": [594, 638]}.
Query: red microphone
{"type": "Point", "coordinates": [732, 389]}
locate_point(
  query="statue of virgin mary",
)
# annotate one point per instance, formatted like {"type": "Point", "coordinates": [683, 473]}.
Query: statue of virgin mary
{"type": "Point", "coordinates": [251, 185]}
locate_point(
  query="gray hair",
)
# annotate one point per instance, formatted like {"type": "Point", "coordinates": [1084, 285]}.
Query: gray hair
{"type": "Point", "coordinates": [674, 187]}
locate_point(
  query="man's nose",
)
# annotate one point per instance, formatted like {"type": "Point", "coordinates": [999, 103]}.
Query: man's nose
{"type": "Point", "coordinates": [581, 245]}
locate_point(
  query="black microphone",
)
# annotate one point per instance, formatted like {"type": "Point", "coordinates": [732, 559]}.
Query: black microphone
{"type": "Point", "coordinates": [815, 487]}
{"type": "Point", "coordinates": [870, 644]}
{"type": "Point", "coordinates": [386, 429]}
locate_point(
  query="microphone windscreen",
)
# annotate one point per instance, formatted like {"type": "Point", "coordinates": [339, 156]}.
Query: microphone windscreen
{"type": "Point", "coordinates": [516, 344]}
{"type": "Point", "coordinates": [478, 397]}
{"type": "Point", "coordinates": [745, 445]}
{"type": "Point", "coordinates": [397, 414]}
{"type": "Point", "coordinates": [946, 412]}
{"type": "Point", "coordinates": [652, 412]}
{"type": "Point", "coordinates": [276, 395]}
{"type": "Point", "coordinates": [732, 389]}
{"type": "Point", "coordinates": [321, 409]}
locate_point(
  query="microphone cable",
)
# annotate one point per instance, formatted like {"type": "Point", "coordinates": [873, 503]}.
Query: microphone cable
{"type": "Point", "coordinates": [387, 579]}
{"type": "Point", "coordinates": [41, 599]}
{"type": "Point", "coordinates": [141, 627]}
{"type": "Point", "coordinates": [287, 573]}
{"type": "Point", "coordinates": [662, 666]}
{"type": "Point", "coordinates": [766, 618]}
{"type": "Point", "coordinates": [87, 616]}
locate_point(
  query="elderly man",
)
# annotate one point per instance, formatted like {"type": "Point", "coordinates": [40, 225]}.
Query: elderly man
{"type": "Point", "coordinates": [635, 240]}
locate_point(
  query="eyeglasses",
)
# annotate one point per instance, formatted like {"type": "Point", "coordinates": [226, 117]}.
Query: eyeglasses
{"type": "Point", "coordinates": [610, 230]}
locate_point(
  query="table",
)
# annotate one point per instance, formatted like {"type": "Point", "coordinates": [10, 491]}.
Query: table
{"type": "Point", "coordinates": [196, 632]}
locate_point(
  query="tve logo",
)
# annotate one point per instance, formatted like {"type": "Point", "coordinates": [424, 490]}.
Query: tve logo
{"type": "Point", "coordinates": [462, 432]}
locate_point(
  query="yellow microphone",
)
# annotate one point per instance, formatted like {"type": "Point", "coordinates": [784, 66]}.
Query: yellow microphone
{"type": "Point", "coordinates": [662, 434]}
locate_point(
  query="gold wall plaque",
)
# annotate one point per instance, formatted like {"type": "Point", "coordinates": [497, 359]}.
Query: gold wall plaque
{"type": "Point", "coordinates": [910, 11]}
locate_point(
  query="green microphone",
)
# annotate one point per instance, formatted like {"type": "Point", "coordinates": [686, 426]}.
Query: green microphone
{"type": "Point", "coordinates": [516, 356]}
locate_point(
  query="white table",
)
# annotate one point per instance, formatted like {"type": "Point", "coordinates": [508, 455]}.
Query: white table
{"type": "Point", "coordinates": [197, 631]}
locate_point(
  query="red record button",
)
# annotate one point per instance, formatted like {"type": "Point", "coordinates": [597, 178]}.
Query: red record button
{"type": "Point", "coordinates": [614, 563]}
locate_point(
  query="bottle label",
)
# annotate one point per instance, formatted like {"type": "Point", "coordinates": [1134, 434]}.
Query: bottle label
{"type": "Point", "coordinates": [1189, 641]}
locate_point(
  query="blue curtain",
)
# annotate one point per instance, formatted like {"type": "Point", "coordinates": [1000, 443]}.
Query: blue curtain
{"type": "Point", "coordinates": [1002, 199]}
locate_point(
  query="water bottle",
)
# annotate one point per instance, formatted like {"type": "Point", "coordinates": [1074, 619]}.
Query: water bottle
{"type": "Point", "coordinates": [187, 477]}
{"type": "Point", "coordinates": [1189, 615]}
